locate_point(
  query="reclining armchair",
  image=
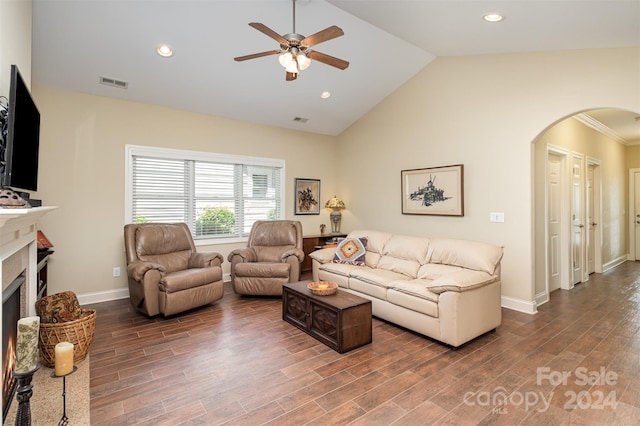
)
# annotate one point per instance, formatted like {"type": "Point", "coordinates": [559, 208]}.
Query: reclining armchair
{"type": "Point", "coordinates": [166, 274]}
{"type": "Point", "coordinates": [272, 258]}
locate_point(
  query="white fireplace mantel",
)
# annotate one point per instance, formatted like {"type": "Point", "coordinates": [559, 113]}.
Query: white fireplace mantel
{"type": "Point", "coordinates": [18, 233]}
{"type": "Point", "coordinates": [18, 230]}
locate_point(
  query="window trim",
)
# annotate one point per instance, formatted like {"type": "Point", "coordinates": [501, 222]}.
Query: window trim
{"type": "Point", "coordinates": [171, 153]}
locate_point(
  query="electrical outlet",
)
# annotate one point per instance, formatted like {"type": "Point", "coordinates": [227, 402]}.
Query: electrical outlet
{"type": "Point", "coordinates": [116, 271]}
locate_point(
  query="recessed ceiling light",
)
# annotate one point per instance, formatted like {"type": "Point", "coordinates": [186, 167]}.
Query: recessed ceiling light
{"type": "Point", "coordinates": [493, 17]}
{"type": "Point", "coordinates": [165, 51]}
{"type": "Point", "coordinates": [325, 95]}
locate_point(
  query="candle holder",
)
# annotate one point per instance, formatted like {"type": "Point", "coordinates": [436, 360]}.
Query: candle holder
{"type": "Point", "coordinates": [64, 421]}
{"type": "Point", "coordinates": [24, 389]}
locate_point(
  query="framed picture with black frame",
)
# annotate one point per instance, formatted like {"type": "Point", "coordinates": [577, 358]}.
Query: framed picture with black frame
{"type": "Point", "coordinates": [433, 191]}
{"type": "Point", "coordinates": [307, 196]}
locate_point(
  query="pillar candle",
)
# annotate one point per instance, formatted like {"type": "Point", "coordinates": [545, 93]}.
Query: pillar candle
{"type": "Point", "coordinates": [27, 344]}
{"type": "Point", "coordinates": [63, 358]}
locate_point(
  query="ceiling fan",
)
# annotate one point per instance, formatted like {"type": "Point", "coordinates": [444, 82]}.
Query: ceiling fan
{"type": "Point", "coordinates": [294, 52]}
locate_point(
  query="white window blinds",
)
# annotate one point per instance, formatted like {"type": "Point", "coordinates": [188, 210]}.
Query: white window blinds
{"type": "Point", "coordinates": [218, 196]}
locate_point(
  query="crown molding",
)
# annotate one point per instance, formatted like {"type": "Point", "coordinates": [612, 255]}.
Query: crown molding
{"type": "Point", "coordinates": [589, 121]}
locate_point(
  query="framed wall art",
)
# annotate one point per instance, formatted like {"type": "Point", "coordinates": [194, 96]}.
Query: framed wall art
{"type": "Point", "coordinates": [433, 191]}
{"type": "Point", "coordinates": [307, 196]}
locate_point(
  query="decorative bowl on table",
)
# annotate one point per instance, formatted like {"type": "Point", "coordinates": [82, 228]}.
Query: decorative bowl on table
{"type": "Point", "coordinates": [323, 288]}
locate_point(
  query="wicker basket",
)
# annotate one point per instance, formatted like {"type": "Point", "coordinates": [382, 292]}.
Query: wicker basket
{"type": "Point", "coordinates": [323, 288]}
{"type": "Point", "coordinates": [79, 332]}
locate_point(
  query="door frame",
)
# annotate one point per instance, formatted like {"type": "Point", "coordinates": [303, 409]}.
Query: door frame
{"type": "Point", "coordinates": [631, 214]}
{"type": "Point", "coordinates": [597, 214]}
{"type": "Point", "coordinates": [565, 214]}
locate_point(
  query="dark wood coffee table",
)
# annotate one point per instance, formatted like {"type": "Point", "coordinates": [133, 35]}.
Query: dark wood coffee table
{"type": "Point", "coordinates": [341, 321]}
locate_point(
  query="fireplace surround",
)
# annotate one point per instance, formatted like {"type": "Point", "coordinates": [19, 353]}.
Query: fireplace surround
{"type": "Point", "coordinates": [18, 269]}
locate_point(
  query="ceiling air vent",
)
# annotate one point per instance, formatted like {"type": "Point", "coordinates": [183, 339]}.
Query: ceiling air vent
{"type": "Point", "coordinates": [113, 82]}
{"type": "Point", "coordinates": [300, 120]}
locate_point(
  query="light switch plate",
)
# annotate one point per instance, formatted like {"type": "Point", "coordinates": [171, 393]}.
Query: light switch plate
{"type": "Point", "coordinates": [496, 217]}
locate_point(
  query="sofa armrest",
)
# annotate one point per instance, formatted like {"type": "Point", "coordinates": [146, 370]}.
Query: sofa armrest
{"type": "Point", "coordinates": [242, 255]}
{"type": "Point", "coordinates": [204, 260]}
{"type": "Point", "coordinates": [460, 281]}
{"type": "Point", "coordinates": [323, 255]}
{"type": "Point", "coordinates": [137, 269]}
{"type": "Point", "coordinates": [293, 252]}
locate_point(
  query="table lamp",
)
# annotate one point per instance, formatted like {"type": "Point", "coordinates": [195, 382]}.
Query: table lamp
{"type": "Point", "coordinates": [336, 204]}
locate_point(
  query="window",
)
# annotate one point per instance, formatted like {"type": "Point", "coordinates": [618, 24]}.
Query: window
{"type": "Point", "coordinates": [219, 196]}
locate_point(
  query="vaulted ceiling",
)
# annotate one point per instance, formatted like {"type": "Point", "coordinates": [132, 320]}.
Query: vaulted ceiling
{"type": "Point", "coordinates": [76, 42]}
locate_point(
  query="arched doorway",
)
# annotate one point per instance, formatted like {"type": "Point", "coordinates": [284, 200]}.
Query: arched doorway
{"type": "Point", "coordinates": [581, 220]}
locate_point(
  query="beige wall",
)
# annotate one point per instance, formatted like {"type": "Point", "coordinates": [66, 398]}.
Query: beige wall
{"type": "Point", "coordinates": [15, 41]}
{"type": "Point", "coordinates": [576, 137]}
{"type": "Point", "coordinates": [82, 171]}
{"type": "Point", "coordinates": [484, 112]}
{"type": "Point", "coordinates": [633, 157]}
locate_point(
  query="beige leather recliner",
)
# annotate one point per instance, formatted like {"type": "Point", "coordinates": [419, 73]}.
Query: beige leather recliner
{"type": "Point", "coordinates": [272, 258]}
{"type": "Point", "coordinates": [166, 273]}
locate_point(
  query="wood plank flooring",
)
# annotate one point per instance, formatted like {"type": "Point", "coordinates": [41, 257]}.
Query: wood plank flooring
{"type": "Point", "coordinates": [236, 362]}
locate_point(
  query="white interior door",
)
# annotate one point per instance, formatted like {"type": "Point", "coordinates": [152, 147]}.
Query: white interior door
{"type": "Point", "coordinates": [577, 231]}
{"type": "Point", "coordinates": [554, 221]}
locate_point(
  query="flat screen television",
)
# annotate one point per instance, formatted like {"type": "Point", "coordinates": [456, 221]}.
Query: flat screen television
{"type": "Point", "coordinates": [22, 138]}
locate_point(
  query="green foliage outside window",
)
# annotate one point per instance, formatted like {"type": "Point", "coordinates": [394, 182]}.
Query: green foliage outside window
{"type": "Point", "coordinates": [215, 221]}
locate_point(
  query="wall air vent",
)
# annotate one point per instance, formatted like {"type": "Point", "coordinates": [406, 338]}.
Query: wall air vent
{"type": "Point", "coordinates": [301, 120]}
{"type": "Point", "coordinates": [113, 82]}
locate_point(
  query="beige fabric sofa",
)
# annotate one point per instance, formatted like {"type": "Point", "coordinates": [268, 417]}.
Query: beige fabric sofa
{"type": "Point", "coordinates": [446, 289]}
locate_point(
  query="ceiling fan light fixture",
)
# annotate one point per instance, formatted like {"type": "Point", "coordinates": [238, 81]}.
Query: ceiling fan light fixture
{"type": "Point", "coordinates": [292, 67]}
{"type": "Point", "coordinates": [303, 61]}
{"type": "Point", "coordinates": [285, 59]}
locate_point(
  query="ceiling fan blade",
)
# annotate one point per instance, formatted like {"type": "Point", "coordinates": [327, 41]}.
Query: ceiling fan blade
{"type": "Point", "coordinates": [329, 60]}
{"type": "Point", "coordinates": [324, 35]}
{"type": "Point", "coordinates": [268, 31]}
{"type": "Point", "coordinates": [257, 55]}
{"type": "Point", "coordinates": [291, 76]}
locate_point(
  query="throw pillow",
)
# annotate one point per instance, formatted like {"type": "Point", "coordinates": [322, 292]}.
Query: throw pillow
{"type": "Point", "coordinates": [351, 251]}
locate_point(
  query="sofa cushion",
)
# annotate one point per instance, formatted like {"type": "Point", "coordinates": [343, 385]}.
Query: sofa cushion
{"type": "Point", "coordinates": [351, 251]}
{"type": "Point", "coordinates": [338, 272]}
{"type": "Point", "coordinates": [404, 254]}
{"type": "Point", "coordinates": [462, 280]}
{"type": "Point", "coordinates": [468, 254]}
{"type": "Point", "coordinates": [433, 271]}
{"type": "Point", "coordinates": [373, 282]}
{"type": "Point", "coordinates": [417, 288]}
{"type": "Point", "coordinates": [414, 295]}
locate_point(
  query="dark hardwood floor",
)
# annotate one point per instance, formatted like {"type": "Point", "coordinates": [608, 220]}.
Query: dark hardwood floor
{"type": "Point", "coordinates": [236, 362]}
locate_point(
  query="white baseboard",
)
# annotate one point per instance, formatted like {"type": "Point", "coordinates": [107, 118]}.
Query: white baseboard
{"type": "Point", "coordinates": [103, 296]}
{"type": "Point", "coordinates": [542, 298]}
{"type": "Point", "coordinates": [615, 262]}
{"type": "Point", "coordinates": [526, 306]}
{"type": "Point", "coordinates": [226, 278]}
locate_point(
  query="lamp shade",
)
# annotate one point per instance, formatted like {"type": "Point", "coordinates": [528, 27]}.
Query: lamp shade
{"type": "Point", "coordinates": [303, 61]}
{"type": "Point", "coordinates": [335, 203]}
{"type": "Point", "coordinates": [285, 59]}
